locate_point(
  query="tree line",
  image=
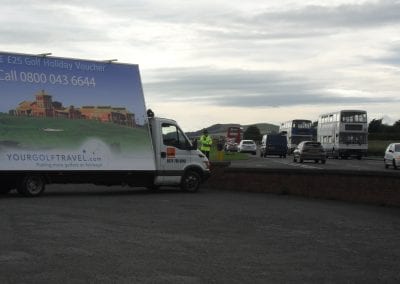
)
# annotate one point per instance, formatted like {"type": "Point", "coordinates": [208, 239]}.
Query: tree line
{"type": "Point", "coordinates": [380, 131]}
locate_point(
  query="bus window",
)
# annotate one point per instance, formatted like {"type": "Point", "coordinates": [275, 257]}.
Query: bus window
{"type": "Point", "coordinates": [352, 117]}
{"type": "Point", "coordinates": [353, 138]}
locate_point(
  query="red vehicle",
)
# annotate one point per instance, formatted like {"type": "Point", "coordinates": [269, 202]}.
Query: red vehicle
{"type": "Point", "coordinates": [234, 133]}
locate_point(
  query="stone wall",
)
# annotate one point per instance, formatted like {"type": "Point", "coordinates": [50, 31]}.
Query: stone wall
{"type": "Point", "coordinates": [381, 188]}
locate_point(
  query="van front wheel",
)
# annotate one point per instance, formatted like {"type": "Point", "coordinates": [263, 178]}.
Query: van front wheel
{"type": "Point", "coordinates": [191, 181]}
{"type": "Point", "coordinates": [31, 185]}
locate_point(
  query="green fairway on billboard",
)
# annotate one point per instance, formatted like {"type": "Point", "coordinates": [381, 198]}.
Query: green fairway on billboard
{"type": "Point", "coordinates": [71, 114]}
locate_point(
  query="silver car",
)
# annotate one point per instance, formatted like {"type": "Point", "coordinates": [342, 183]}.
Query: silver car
{"type": "Point", "coordinates": [309, 150]}
{"type": "Point", "coordinates": [247, 146]}
{"type": "Point", "coordinates": [392, 156]}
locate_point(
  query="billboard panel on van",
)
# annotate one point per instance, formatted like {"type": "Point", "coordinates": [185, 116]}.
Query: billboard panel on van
{"type": "Point", "coordinates": [71, 114]}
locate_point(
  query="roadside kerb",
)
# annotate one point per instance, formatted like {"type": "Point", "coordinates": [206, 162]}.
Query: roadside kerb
{"type": "Point", "coordinates": [382, 188]}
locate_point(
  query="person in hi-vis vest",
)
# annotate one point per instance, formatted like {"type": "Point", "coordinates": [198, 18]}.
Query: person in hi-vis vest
{"type": "Point", "coordinates": [205, 143]}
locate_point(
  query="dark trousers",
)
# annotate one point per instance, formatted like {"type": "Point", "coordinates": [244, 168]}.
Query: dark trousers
{"type": "Point", "coordinates": [207, 153]}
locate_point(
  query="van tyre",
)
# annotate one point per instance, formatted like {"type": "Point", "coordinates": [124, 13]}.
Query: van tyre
{"type": "Point", "coordinates": [31, 185]}
{"type": "Point", "coordinates": [153, 188]}
{"type": "Point", "coordinates": [386, 165]}
{"type": "Point", "coordinates": [191, 181]}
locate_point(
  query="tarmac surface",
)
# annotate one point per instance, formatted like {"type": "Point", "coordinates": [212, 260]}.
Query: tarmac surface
{"type": "Point", "coordinates": [94, 234]}
{"type": "Point", "coordinates": [374, 164]}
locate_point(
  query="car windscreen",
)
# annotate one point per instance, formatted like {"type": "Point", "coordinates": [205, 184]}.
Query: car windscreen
{"type": "Point", "coordinates": [248, 142]}
{"type": "Point", "coordinates": [312, 145]}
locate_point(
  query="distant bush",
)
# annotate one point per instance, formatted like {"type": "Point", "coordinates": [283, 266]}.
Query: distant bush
{"type": "Point", "coordinates": [378, 147]}
{"type": "Point", "coordinates": [384, 136]}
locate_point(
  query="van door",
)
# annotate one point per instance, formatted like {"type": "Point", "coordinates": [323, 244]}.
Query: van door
{"type": "Point", "coordinates": [175, 153]}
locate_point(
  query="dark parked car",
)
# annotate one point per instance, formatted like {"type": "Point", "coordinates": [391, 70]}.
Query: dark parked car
{"type": "Point", "coordinates": [309, 150]}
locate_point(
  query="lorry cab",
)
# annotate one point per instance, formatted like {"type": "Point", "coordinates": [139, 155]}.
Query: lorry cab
{"type": "Point", "coordinates": [178, 161]}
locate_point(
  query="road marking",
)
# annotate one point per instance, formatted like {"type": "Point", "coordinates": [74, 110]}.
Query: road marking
{"type": "Point", "coordinates": [297, 165]}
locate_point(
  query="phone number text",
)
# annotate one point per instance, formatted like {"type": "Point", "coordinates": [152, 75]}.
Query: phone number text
{"type": "Point", "coordinates": [43, 78]}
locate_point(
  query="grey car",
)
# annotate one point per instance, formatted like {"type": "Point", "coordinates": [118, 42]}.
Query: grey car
{"type": "Point", "coordinates": [309, 150]}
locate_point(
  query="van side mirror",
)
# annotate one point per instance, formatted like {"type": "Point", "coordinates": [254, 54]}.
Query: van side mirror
{"type": "Point", "coordinates": [194, 145]}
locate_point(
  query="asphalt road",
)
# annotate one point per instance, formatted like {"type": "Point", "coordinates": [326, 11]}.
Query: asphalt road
{"type": "Point", "coordinates": [274, 162]}
{"type": "Point", "coordinates": [93, 234]}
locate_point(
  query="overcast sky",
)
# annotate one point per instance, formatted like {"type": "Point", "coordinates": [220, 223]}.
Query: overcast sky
{"type": "Point", "coordinates": [229, 61]}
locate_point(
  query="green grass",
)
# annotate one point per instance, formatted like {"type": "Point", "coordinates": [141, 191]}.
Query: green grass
{"type": "Point", "coordinates": [27, 132]}
{"type": "Point", "coordinates": [227, 156]}
{"type": "Point", "coordinates": [378, 147]}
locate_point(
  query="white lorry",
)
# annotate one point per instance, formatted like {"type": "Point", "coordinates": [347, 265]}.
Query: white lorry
{"type": "Point", "coordinates": [66, 120]}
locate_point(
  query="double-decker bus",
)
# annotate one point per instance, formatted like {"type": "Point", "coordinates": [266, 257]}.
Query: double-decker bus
{"type": "Point", "coordinates": [344, 133]}
{"type": "Point", "coordinates": [234, 134]}
{"type": "Point", "coordinates": [296, 130]}
{"type": "Point", "coordinates": [233, 138]}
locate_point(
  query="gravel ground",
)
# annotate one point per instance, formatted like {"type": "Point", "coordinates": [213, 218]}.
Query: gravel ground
{"type": "Point", "coordinates": [85, 233]}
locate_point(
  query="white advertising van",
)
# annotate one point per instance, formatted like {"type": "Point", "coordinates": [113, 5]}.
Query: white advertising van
{"type": "Point", "coordinates": [66, 120]}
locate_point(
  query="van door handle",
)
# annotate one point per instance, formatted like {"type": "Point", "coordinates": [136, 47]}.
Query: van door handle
{"type": "Point", "coordinates": [163, 155]}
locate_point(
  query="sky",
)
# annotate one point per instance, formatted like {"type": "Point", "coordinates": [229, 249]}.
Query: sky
{"type": "Point", "coordinates": [229, 61]}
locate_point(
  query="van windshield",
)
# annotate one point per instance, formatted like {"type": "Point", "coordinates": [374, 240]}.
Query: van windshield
{"type": "Point", "coordinates": [276, 139]}
{"type": "Point", "coordinates": [397, 148]}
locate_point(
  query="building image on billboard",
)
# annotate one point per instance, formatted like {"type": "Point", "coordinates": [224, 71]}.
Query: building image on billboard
{"type": "Point", "coordinates": [44, 106]}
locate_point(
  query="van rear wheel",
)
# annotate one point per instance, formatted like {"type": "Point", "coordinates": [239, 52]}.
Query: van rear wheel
{"type": "Point", "coordinates": [31, 185]}
{"type": "Point", "coordinates": [191, 181]}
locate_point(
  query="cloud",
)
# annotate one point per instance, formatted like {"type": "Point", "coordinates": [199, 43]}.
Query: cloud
{"type": "Point", "coordinates": [303, 22]}
{"type": "Point", "coordinates": [363, 15]}
{"type": "Point", "coordinates": [391, 58]}
{"type": "Point", "coordinates": [243, 88]}
{"type": "Point", "coordinates": [53, 22]}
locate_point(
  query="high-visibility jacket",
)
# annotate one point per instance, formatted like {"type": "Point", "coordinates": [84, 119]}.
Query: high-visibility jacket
{"type": "Point", "coordinates": [205, 142]}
